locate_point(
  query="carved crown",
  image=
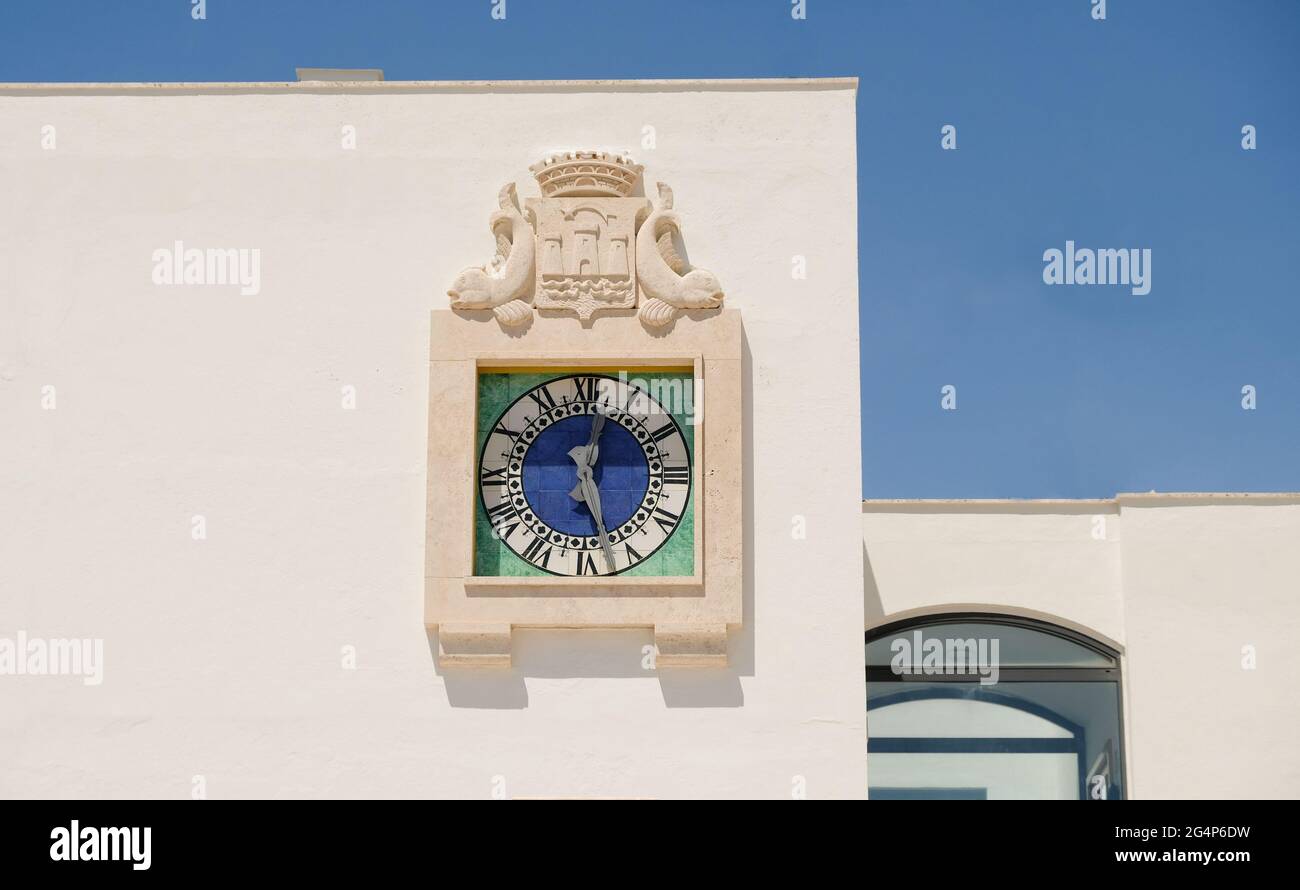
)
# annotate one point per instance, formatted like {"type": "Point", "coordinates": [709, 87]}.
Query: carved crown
{"type": "Point", "coordinates": [587, 174]}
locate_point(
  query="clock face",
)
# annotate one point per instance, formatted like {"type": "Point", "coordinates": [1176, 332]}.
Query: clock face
{"type": "Point", "coordinates": [584, 474]}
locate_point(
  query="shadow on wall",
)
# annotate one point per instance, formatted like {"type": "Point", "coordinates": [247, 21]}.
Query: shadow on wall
{"type": "Point", "coordinates": [873, 606]}
{"type": "Point", "coordinates": [554, 653]}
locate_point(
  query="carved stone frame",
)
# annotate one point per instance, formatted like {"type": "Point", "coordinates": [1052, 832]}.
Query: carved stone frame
{"type": "Point", "coordinates": [690, 615]}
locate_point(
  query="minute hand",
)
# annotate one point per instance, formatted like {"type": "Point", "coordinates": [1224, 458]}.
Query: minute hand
{"type": "Point", "coordinates": [591, 493]}
{"type": "Point", "coordinates": [587, 490]}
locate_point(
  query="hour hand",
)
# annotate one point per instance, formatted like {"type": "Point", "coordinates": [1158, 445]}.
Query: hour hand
{"type": "Point", "coordinates": [585, 456]}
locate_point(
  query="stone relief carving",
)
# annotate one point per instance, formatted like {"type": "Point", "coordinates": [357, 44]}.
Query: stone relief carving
{"type": "Point", "coordinates": [584, 247]}
{"type": "Point", "coordinates": [506, 279]}
{"type": "Point", "coordinates": [586, 226]}
{"type": "Point", "coordinates": [668, 281]}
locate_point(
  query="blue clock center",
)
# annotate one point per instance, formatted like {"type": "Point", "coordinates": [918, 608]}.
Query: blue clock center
{"type": "Point", "coordinates": [549, 474]}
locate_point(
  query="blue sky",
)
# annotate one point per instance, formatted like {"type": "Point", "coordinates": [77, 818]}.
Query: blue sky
{"type": "Point", "coordinates": [1119, 133]}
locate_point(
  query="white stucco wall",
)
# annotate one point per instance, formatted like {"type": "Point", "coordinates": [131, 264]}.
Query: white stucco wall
{"type": "Point", "coordinates": [1029, 556]}
{"type": "Point", "coordinates": [1179, 584]}
{"type": "Point", "coordinates": [1203, 578]}
{"type": "Point", "coordinates": [223, 656]}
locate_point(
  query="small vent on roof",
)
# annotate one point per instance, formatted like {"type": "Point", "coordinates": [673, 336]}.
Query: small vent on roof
{"type": "Point", "coordinates": [340, 73]}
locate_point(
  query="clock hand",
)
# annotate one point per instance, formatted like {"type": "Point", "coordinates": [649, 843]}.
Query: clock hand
{"type": "Point", "coordinates": [587, 491]}
{"type": "Point", "coordinates": [593, 450]}
{"type": "Point", "coordinates": [597, 424]}
{"type": "Point", "coordinates": [592, 496]}
{"type": "Point", "coordinates": [586, 455]}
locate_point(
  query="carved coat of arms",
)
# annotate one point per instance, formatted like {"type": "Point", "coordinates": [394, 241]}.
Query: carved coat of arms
{"type": "Point", "coordinates": [586, 245]}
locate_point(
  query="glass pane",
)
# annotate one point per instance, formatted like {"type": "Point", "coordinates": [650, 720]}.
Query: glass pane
{"type": "Point", "coordinates": [1013, 645]}
{"type": "Point", "coordinates": [1007, 741]}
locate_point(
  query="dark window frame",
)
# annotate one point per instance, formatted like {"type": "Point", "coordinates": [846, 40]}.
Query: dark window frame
{"type": "Point", "coordinates": [1062, 674]}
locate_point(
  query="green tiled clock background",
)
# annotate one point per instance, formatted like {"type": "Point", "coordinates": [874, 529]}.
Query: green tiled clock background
{"type": "Point", "coordinates": [496, 392]}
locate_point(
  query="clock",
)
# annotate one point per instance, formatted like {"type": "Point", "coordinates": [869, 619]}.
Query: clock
{"type": "Point", "coordinates": [585, 473]}
{"type": "Point", "coordinates": [575, 479]}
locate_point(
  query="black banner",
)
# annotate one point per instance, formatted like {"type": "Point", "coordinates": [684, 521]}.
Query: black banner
{"type": "Point", "coordinates": [211, 839]}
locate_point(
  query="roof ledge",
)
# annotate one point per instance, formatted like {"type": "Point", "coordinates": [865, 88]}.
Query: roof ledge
{"type": "Point", "coordinates": [1080, 505]}
{"type": "Point", "coordinates": [345, 75]}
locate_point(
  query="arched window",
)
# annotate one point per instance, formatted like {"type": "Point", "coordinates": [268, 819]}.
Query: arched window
{"type": "Point", "coordinates": [975, 706]}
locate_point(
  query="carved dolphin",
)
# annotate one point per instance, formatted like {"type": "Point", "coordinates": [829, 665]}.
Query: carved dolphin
{"type": "Point", "coordinates": [670, 284]}
{"type": "Point", "coordinates": [501, 283]}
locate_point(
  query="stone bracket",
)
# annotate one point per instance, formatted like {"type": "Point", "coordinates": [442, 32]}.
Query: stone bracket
{"type": "Point", "coordinates": [691, 645]}
{"type": "Point", "coordinates": [478, 645]}
{"type": "Point", "coordinates": [488, 645]}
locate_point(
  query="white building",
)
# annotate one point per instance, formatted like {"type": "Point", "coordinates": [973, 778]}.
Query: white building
{"type": "Point", "coordinates": [220, 446]}
{"type": "Point", "coordinates": [1195, 595]}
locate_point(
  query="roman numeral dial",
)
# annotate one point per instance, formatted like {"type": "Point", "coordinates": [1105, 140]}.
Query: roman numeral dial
{"type": "Point", "coordinates": [585, 475]}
